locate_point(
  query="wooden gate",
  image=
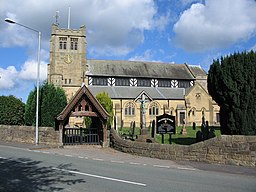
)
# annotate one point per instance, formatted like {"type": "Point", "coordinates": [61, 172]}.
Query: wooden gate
{"type": "Point", "coordinates": [79, 136]}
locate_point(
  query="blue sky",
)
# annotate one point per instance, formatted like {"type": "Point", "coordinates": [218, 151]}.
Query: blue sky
{"type": "Point", "coordinates": [171, 31]}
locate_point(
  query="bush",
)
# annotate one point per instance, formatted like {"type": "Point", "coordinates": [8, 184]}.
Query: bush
{"type": "Point", "coordinates": [11, 111]}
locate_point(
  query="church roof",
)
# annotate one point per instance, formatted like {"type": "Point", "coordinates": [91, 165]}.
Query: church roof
{"type": "Point", "coordinates": [119, 92]}
{"type": "Point", "coordinates": [196, 70]}
{"type": "Point", "coordinates": [139, 69]}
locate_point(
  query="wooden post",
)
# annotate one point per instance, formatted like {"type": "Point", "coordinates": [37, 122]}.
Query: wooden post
{"type": "Point", "coordinates": [61, 133]}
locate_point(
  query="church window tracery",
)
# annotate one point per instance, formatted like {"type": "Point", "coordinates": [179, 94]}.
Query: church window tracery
{"type": "Point", "coordinates": [129, 109]}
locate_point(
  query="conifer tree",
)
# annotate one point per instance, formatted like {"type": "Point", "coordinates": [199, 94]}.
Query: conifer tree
{"type": "Point", "coordinates": [52, 101]}
{"type": "Point", "coordinates": [232, 84]}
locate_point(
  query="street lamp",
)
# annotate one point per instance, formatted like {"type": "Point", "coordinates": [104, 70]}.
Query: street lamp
{"type": "Point", "coordinates": [8, 20]}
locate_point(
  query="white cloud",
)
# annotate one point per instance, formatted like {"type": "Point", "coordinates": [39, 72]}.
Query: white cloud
{"type": "Point", "coordinates": [112, 25]}
{"type": "Point", "coordinates": [29, 71]}
{"type": "Point", "coordinates": [148, 55]}
{"type": "Point", "coordinates": [8, 77]}
{"type": "Point", "coordinates": [216, 24]}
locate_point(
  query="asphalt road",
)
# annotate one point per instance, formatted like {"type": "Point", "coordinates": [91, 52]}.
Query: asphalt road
{"type": "Point", "coordinates": [95, 169]}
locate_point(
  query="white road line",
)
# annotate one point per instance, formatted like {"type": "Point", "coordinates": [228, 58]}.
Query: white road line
{"type": "Point", "coordinates": [3, 158]}
{"type": "Point", "coordinates": [186, 168]}
{"type": "Point", "coordinates": [133, 163]}
{"type": "Point", "coordinates": [161, 166]}
{"type": "Point", "coordinates": [45, 152]}
{"type": "Point", "coordinates": [36, 151]}
{"type": "Point", "coordinates": [68, 155]}
{"type": "Point", "coordinates": [98, 159]}
{"type": "Point", "coordinates": [102, 177]}
{"type": "Point", "coordinates": [80, 157]}
{"type": "Point", "coordinates": [117, 161]}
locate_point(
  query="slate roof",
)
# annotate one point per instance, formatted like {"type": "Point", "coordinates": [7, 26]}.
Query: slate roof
{"type": "Point", "coordinates": [119, 92]}
{"type": "Point", "coordinates": [139, 69]}
{"type": "Point", "coordinates": [196, 70]}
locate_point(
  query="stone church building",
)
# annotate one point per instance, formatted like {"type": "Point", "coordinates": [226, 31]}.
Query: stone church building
{"type": "Point", "coordinates": [176, 89]}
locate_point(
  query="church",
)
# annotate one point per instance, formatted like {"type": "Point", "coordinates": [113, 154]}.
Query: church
{"type": "Point", "coordinates": [176, 89]}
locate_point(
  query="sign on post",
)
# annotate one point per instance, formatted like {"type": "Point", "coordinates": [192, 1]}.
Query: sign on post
{"type": "Point", "coordinates": [165, 124]}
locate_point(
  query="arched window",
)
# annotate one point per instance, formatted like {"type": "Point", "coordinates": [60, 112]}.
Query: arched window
{"type": "Point", "coordinates": [153, 109]}
{"type": "Point", "coordinates": [129, 109]}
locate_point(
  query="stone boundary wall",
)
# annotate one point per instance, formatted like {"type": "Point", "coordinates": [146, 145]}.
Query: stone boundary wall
{"type": "Point", "coordinates": [27, 134]}
{"type": "Point", "coordinates": [225, 149]}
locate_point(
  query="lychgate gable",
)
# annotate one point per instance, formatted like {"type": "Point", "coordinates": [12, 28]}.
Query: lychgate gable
{"type": "Point", "coordinates": [83, 104]}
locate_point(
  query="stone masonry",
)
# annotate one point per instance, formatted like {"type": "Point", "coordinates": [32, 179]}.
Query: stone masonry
{"type": "Point", "coordinates": [26, 134]}
{"type": "Point", "coordinates": [226, 149]}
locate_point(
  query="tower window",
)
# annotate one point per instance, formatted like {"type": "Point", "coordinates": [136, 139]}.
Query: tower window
{"type": "Point", "coordinates": [63, 43]}
{"type": "Point", "coordinates": [74, 43]}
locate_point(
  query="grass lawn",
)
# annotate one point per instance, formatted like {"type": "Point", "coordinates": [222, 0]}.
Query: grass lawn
{"type": "Point", "coordinates": [177, 138]}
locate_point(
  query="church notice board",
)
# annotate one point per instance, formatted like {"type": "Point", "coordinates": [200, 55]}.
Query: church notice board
{"type": "Point", "coordinates": [165, 124]}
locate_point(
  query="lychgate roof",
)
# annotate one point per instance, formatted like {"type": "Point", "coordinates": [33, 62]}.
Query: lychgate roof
{"type": "Point", "coordinates": [138, 69]}
{"type": "Point", "coordinates": [83, 93]}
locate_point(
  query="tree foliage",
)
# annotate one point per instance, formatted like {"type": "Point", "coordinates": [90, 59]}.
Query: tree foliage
{"type": "Point", "coordinates": [232, 84]}
{"type": "Point", "coordinates": [52, 101]}
{"type": "Point", "coordinates": [11, 111]}
{"type": "Point", "coordinates": [107, 104]}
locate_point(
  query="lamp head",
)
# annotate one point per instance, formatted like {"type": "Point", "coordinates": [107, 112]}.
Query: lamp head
{"type": "Point", "coordinates": [8, 20]}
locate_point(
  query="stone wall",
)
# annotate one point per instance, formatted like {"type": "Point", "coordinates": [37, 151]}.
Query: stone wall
{"type": "Point", "coordinates": [27, 134]}
{"type": "Point", "coordinates": [226, 149]}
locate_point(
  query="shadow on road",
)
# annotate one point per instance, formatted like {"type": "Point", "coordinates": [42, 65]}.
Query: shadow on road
{"type": "Point", "coordinates": [27, 175]}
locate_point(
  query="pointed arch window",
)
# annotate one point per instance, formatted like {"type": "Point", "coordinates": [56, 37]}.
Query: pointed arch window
{"type": "Point", "coordinates": [129, 109]}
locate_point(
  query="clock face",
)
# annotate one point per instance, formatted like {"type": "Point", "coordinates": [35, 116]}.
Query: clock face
{"type": "Point", "coordinates": [68, 59]}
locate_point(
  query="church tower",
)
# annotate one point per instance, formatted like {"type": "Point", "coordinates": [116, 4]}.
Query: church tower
{"type": "Point", "coordinates": [67, 58]}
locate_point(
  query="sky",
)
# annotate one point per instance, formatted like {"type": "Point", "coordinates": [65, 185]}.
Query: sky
{"type": "Point", "coordinates": [171, 31]}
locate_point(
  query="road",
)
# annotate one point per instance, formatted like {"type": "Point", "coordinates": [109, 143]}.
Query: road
{"type": "Point", "coordinates": [94, 169]}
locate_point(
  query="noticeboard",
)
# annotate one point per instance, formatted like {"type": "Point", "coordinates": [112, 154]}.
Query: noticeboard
{"type": "Point", "coordinates": [165, 124]}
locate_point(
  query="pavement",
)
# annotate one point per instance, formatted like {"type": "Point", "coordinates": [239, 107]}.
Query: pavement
{"type": "Point", "coordinates": [96, 152]}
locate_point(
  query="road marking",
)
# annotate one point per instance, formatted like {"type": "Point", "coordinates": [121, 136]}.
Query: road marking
{"type": "Point", "coordinates": [117, 161]}
{"type": "Point", "coordinates": [36, 151]}
{"type": "Point", "coordinates": [161, 166]}
{"type": "Point", "coordinates": [3, 158]}
{"type": "Point", "coordinates": [133, 163]}
{"type": "Point", "coordinates": [102, 177]}
{"type": "Point", "coordinates": [68, 155]}
{"type": "Point", "coordinates": [80, 157]}
{"type": "Point", "coordinates": [186, 168]}
{"type": "Point", "coordinates": [98, 159]}
{"type": "Point", "coordinates": [45, 152]}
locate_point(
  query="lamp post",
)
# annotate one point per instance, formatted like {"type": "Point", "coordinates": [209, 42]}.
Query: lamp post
{"type": "Point", "coordinates": [8, 20]}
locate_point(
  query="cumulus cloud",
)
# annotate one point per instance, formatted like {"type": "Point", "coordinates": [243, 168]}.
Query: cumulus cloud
{"type": "Point", "coordinates": [29, 71]}
{"type": "Point", "coordinates": [113, 27]}
{"type": "Point", "coordinates": [215, 24]}
{"type": "Point", "coordinates": [8, 77]}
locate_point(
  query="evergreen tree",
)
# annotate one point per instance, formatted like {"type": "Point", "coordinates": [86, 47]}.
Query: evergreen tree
{"type": "Point", "coordinates": [232, 84]}
{"type": "Point", "coordinates": [11, 111]}
{"type": "Point", "coordinates": [52, 101]}
{"type": "Point", "coordinates": [107, 104]}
